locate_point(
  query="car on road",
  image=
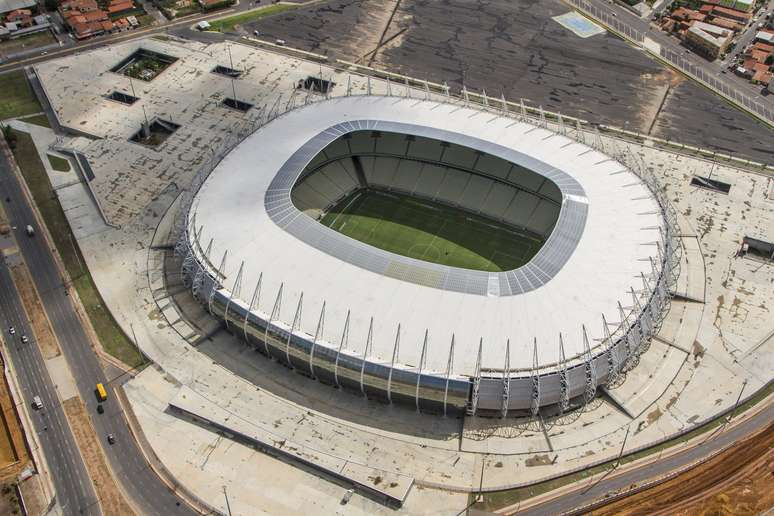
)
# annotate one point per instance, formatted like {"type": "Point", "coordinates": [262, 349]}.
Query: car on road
{"type": "Point", "coordinates": [37, 403]}
{"type": "Point", "coordinates": [12, 330]}
{"type": "Point", "coordinates": [111, 438]}
{"type": "Point", "coordinates": [100, 409]}
{"type": "Point", "coordinates": [24, 339]}
{"type": "Point", "coordinates": [30, 230]}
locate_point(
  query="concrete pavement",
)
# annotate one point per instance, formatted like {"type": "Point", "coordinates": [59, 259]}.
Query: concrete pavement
{"type": "Point", "coordinates": [742, 92]}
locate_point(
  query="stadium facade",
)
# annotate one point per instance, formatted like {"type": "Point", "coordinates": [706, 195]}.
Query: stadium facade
{"type": "Point", "coordinates": [442, 339]}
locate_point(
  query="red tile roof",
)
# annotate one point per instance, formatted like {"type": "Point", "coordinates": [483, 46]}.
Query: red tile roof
{"type": "Point", "coordinates": [760, 55]}
{"type": "Point", "coordinates": [117, 7]}
{"type": "Point", "coordinates": [93, 16]}
{"type": "Point", "coordinates": [766, 47]}
{"type": "Point", "coordinates": [19, 12]}
{"type": "Point", "coordinates": [762, 77]}
{"type": "Point", "coordinates": [733, 13]}
{"type": "Point", "coordinates": [726, 23]}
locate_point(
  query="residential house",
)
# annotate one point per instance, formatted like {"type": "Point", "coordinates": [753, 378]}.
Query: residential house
{"type": "Point", "coordinates": [730, 14]}
{"type": "Point", "coordinates": [119, 6]}
{"type": "Point", "coordinates": [707, 39]}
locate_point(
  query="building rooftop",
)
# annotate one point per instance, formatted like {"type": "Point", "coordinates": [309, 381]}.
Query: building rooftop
{"type": "Point", "coordinates": [762, 76]}
{"type": "Point", "coordinates": [760, 55]}
{"type": "Point", "coordinates": [725, 23]}
{"type": "Point", "coordinates": [117, 7]}
{"type": "Point", "coordinates": [714, 30]}
{"type": "Point", "coordinates": [734, 13]}
{"type": "Point", "coordinates": [12, 5]}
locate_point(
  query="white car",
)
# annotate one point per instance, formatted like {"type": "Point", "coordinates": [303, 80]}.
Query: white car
{"type": "Point", "coordinates": [12, 330]}
{"type": "Point", "coordinates": [25, 339]}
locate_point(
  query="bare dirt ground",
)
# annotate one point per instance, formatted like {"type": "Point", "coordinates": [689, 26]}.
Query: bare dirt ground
{"type": "Point", "coordinates": [14, 455]}
{"type": "Point", "coordinates": [34, 497]}
{"type": "Point", "coordinates": [736, 482]}
{"type": "Point", "coordinates": [40, 325]}
{"type": "Point", "coordinates": [4, 227]}
{"type": "Point", "coordinates": [111, 498]}
{"type": "Point", "coordinates": [13, 452]}
{"type": "Point", "coordinates": [515, 47]}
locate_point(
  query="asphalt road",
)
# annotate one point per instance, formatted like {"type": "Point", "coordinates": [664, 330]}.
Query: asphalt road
{"type": "Point", "coordinates": [145, 488]}
{"type": "Point", "coordinates": [589, 492]}
{"type": "Point", "coordinates": [673, 46]}
{"type": "Point", "coordinates": [74, 491]}
{"type": "Point", "coordinates": [181, 27]}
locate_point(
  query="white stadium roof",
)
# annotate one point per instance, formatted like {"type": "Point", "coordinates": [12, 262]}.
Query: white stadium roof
{"type": "Point", "coordinates": [621, 228]}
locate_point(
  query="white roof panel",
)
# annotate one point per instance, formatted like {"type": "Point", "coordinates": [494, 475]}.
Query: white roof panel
{"type": "Point", "coordinates": [613, 244]}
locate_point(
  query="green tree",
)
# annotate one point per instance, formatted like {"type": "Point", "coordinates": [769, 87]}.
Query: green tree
{"type": "Point", "coordinates": [9, 135]}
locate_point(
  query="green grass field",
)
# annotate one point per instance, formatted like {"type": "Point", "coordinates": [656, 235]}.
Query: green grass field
{"type": "Point", "coordinates": [228, 24]}
{"type": "Point", "coordinates": [59, 164]}
{"type": "Point", "coordinates": [16, 96]}
{"type": "Point", "coordinates": [41, 120]}
{"type": "Point", "coordinates": [430, 231]}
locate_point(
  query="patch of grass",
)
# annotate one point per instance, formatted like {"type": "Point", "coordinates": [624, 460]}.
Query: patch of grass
{"type": "Point", "coordinates": [41, 120]}
{"type": "Point", "coordinates": [58, 164]}
{"type": "Point", "coordinates": [145, 20]}
{"type": "Point", "coordinates": [430, 231]}
{"type": "Point", "coordinates": [188, 10]}
{"type": "Point", "coordinates": [499, 499]}
{"type": "Point", "coordinates": [25, 43]}
{"type": "Point", "coordinates": [112, 338]}
{"type": "Point", "coordinates": [17, 98]}
{"type": "Point", "coordinates": [228, 24]}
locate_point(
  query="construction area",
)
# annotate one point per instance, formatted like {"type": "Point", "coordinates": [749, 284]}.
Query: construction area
{"type": "Point", "coordinates": [217, 414]}
{"type": "Point", "coordinates": [737, 481]}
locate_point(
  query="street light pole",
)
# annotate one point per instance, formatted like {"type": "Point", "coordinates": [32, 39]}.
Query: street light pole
{"type": "Point", "coordinates": [738, 398]}
{"type": "Point", "coordinates": [620, 453]}
{"type": "Point", "coordinates": [233, 86]}
{"type": "Point", "coordinates": [228, 507]}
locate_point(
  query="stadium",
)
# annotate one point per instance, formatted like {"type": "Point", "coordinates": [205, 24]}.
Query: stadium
{"type": "Point", "coordinates": [452, 258]}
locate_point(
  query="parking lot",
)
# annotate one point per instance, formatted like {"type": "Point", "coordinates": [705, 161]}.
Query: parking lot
{"type": "Point", "coordinates": [518, 49]}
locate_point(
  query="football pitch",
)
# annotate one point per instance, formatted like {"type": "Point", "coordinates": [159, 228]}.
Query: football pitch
{"type": "Point", "coordinates": [430, 231]}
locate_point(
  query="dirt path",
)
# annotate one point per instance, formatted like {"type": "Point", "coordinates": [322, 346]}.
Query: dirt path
{"type": "Point", "coordinates": [738, 481]}
{"type": "Point", "coordinates": [111, 498]}
{"type": "Point", "coordinates": [40, 324]}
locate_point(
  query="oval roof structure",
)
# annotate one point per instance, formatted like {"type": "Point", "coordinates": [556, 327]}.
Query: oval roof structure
{"type": "Point", "coordinates": [604, 239]}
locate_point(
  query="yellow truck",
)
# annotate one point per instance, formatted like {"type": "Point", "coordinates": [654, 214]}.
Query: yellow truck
{"type": "Point", "coordinates": [101, 392]}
